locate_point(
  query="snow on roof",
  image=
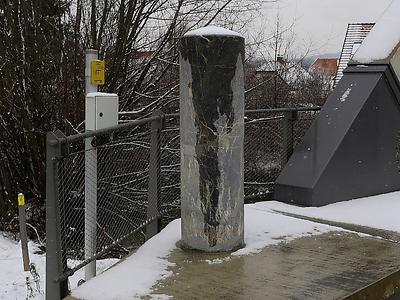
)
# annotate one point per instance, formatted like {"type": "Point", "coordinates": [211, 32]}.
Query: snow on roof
{"type": "Point", "coordinates": [268, 66]}
{"type": "Point", "coordinates": [383, 38]}
{"type": "Point", "coordinates": [297, 72]}
{"type": "Point", "coordinates": [212, 30]}
{"type": "Point", "coordinates": [290, 71]}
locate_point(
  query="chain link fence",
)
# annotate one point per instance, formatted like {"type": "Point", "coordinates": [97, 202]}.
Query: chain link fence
{"type": "Point", "coordinates": [132, 190]}
{"type": "Point", "coordinates": [170, 170]}
{"type": "Point", "coordinates": [117, 174]}
{"type": "Point", "coordinates": [262, 153]}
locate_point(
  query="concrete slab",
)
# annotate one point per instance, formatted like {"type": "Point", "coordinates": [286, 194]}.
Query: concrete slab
{"type": "Point", "coordinates": [326, 263]}
{"type": "Point", "coordinates": [327, 266]}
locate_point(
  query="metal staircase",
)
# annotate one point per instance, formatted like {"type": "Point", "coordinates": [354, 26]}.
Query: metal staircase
{"type": "Point", "coordinates": [355, 34]}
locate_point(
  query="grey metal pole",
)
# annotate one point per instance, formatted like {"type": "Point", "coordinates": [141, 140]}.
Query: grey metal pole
{"type": "Point", "coordinates": [154, 192]}
{"type": "Point", "coordinates": [90, 180]}
{"type": "Point", "coordinates": [212, 134]}
{"type": "Point", "coordinates": [90, 55]}
{"type": "Point", "coordinates": [55, 289]}
{"type": "Point", "coordinates": [288, 136]}
{"type": "Point", "coordinates": [22, 230]}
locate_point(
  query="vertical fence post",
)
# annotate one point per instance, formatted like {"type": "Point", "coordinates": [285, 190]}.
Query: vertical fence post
{"type": "Point", "coordinates": [22, 231]}
{"type": "Point", "coordinates": [90, 177]}
{"type": "Point", "coordinates": [288, 136]}
{"type": "Point", "coordinates": [55, 289]}
{"type": "Point", "coordinates": [154, 191]}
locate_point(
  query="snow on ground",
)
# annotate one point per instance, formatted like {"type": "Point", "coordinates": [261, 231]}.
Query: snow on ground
{"type": "Point", "coordinates": [381, 211]}
{"type": "Point", "coordinates": [13, 284]}
{"type": "Point", "coordinates": [12, 276]}
{"type": "Point", "coordinates": [263, 229]}
{"type": "Point", "coordinates": [135, 276]}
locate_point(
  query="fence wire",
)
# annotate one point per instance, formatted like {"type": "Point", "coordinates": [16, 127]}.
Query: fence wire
{"type": "Point", "coordinates": [119, 206]}
{"type": "Point", "coordinates": [170, 171]}
{"type": "Point", "coordinates": [302, 123]}
{"type": "Point", "coordinates": [116, 208]}
{"type": "Point", "coordinates": [262, 152]}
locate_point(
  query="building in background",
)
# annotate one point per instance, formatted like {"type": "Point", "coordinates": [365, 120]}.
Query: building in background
{"type": "Point", "coordinates": [325, 67]}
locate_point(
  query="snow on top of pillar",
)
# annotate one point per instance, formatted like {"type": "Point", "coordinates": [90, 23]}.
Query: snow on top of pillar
{"type": "Point", "coordinates": [383, 38]}
{"type": "Point", "coordinates": [212, 30]}
{"type": "Point", "coordinates": [100, 94]}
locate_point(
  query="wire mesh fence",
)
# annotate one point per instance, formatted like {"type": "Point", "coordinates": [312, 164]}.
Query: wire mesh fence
{"type": "Point", "coordinates": [262, 152]}
{"type": "Point", "coordinates": [170, 170]}
{"type": "Point", "coordinates": [301, 124]}
{"type": "Point", "coordinates": [117, 187]}
{"type": "Point", "coordinates": [112, 204]}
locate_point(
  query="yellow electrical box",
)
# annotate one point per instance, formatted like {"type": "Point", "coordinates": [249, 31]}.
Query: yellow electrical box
{"type": "Point", "coordinates": [21, 199]}
{"type": "Point", "coordinates": [97, 74]}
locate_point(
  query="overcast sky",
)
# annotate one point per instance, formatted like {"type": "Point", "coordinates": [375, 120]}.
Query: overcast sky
{"type": "Point", "coordinates": [322, 22]}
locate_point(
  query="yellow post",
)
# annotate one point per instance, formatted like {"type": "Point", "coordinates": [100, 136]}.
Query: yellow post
{"type": "Point", "coordinates": [21, 199]}
{"type": "Point", "coordinates": [22, 229]}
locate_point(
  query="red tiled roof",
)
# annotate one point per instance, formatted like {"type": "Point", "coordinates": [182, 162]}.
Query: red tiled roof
{"type": "Point", "coordinates": [325, 66]}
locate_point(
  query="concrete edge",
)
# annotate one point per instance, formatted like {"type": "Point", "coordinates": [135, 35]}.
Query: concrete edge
{"type": "Point", "coordinates": [382, 289]}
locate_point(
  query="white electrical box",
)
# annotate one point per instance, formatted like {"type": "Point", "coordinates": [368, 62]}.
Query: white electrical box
{"type": "Point", "coordinates": [101, 110]}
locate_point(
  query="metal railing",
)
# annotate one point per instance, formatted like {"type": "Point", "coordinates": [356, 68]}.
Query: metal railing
{"type": "Point", "coordinates": [138, 182]}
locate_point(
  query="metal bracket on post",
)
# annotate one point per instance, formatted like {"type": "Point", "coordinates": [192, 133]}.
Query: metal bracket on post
{"type": "Point", "coordinates": [55, 265]}
{"type": "Point", "coordinates": [154, 191]}
{"type": "Point", "coordinates": [288, 136]}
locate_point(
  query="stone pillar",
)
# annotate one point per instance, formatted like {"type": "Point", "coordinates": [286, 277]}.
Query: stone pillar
{"type": "Point", "coordinates": [212, 132]}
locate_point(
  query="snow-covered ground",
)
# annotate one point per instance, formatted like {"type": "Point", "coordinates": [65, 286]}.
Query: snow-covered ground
{"type": "Point", "coordinates": [136, 275]}
{"type": "Point", "coordinates": [13, 279]}
{"type": "Point", "coordinates": [381, 211]}
{"type": "Point", "coordinates": [12, 276]}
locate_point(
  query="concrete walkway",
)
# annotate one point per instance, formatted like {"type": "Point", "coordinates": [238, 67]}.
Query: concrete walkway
{"type": "Point", "coordinates": [328, 266]}
{"type": "Point", "coordinates": [334, 258]}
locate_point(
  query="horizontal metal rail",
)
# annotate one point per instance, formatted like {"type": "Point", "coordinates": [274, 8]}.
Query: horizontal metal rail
{"type": "Point", "coordinates": [281, 110]}
{"type": "Point", "coordinates": [131, 124]}
{"type": "Point", "coordinates": [250, 111]}
{"type": "Point", "coordinates": [264, 110]}
{"type": "Point", "coordinates": [88, 134]}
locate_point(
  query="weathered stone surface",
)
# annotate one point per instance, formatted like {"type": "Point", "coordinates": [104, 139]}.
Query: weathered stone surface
{"type": "Point", "coordinates": [212, 131]}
